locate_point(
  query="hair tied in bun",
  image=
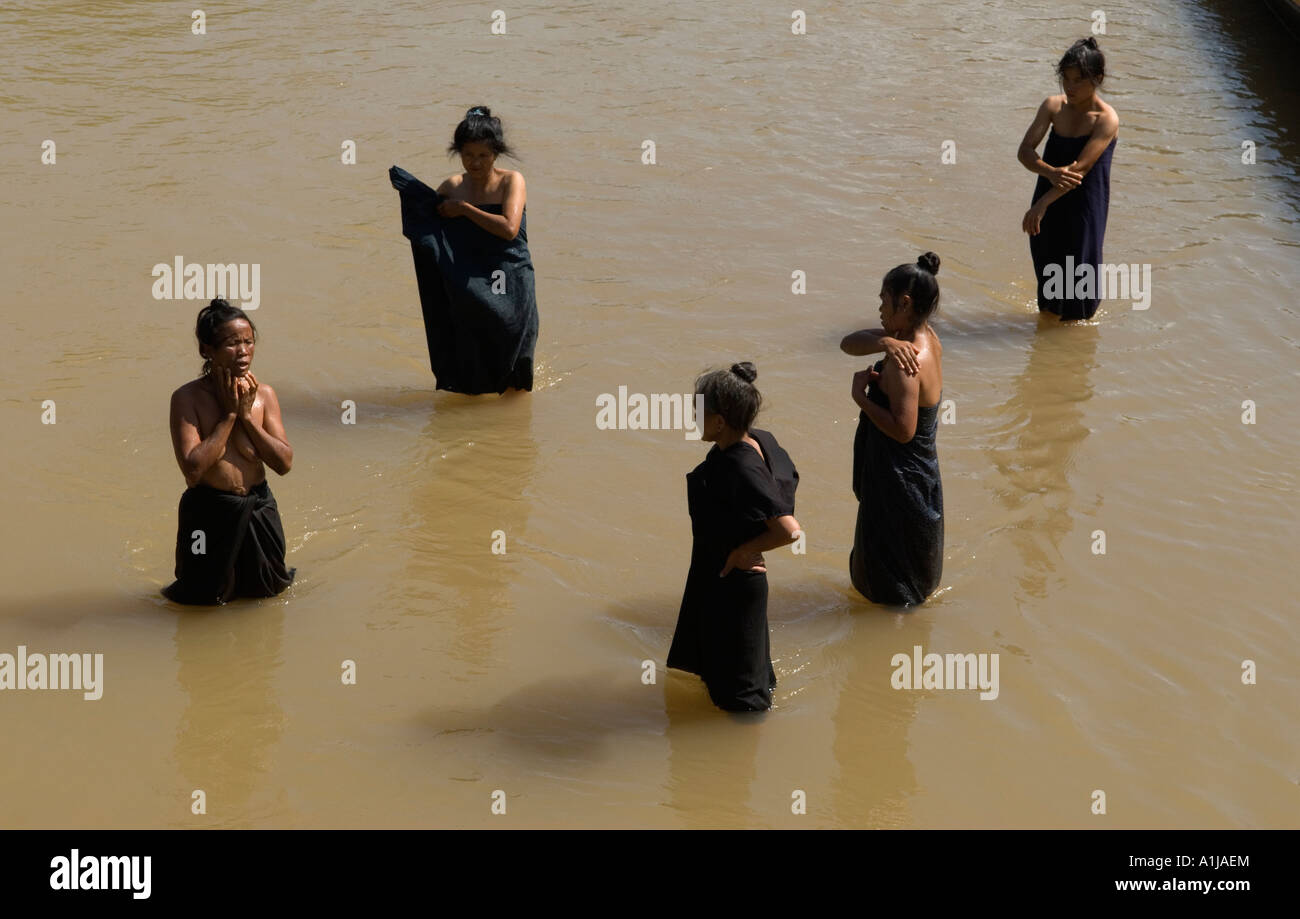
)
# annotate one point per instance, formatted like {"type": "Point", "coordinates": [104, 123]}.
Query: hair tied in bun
{"type": "Point", "coordinates": [745, 370]}
{"type": "Point", "coordinates": [929, 261]}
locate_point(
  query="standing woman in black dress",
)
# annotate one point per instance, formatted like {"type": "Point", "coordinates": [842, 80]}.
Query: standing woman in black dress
{"type": "Point", "coordinates": [469, 238]}
{"type": "Point", "coordinates": [897, 556]}
{"type": "Point", "coordinates": [1067, 221]}
{"type": "Point", "coordinates": [741, 501]}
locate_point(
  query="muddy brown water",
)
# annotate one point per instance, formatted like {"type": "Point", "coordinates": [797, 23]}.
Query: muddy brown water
{"type": "Point", "coordinates": [522, 672]}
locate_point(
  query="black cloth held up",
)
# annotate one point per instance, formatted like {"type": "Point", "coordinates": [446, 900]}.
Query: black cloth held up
{"type": "Point", "coordinates": [243, 543]}
{"type": "Point", "coordinates": [480, 341]}
{"type": "Point", "coordinates": [722, 632]}
{"type": "Point", "coordinates": [897, 555]}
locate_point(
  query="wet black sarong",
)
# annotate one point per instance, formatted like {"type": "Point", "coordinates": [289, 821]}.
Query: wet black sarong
{"type": "Point", "coordinates": [476, 291]}
{"type": "Point", "coordinates": [242, 547]}
{"type": "Point", "coordinates": [897, 555]}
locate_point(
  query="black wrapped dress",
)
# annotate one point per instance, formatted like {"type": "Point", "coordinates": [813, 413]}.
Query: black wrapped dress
{"type": "Point", "coordinates": [722, 632]}
{"type": "Point", "coordinates": [476, 292]}
{"type": "Point", "coordinates": [897, 555]}
{"type": "Point", "coordinates": [1073, 228]}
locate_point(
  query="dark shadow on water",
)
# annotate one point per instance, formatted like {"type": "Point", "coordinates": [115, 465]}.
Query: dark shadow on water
{"type": "Point", "coordinates": [1266, 57]}
{"type": "Point", "coordinates": [562, 718]}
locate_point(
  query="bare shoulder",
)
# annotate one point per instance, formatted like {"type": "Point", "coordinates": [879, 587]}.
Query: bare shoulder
{"type": "Point", "coordinates": [188, 393]}
{"type": "Point", "coordinates": [1109, 117]}
{"type": "Point", "coordinates": [1053, 104]}
{"type": "Point", "coordinates": [893, 378]}
{"type": "Point", "coordinates": [938, 345]}
{"type": "Point", "coordinates": [450, 184]}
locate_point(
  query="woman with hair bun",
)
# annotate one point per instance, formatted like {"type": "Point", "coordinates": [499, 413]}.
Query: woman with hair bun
{"type": "Point", "coordinates": [897, 556]}
{"type": "Point", "coordinates": [1067, 221]}
{"type": "Point", "coordinates": [472, 264]}
{"type": "Point", "coordinates": [741, 501]}
{"type": "Point", "coordinates": [226, 429]}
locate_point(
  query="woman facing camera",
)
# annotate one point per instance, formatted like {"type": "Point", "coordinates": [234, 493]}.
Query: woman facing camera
{"type": "Point", "coordinates": [472, 264]}
{"type": "Point", "coordinates": [897, 556]}
{"type": "Point", "coordinates": [226, 429]}
{"type": "Point", "coordinates": [741, 501]}
{"type": "Point", "coordinates": [1067, 220]}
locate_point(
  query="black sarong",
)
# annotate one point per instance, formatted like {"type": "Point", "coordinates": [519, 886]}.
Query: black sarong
{"type": "Point", "coordinates": [1072, 230]}
{"type": "Point", "coordinates": [476, 291]}
{"type": "Point", "coordinates": [897, 556]}
{"type": "Point", "coordinates": [242, 546]}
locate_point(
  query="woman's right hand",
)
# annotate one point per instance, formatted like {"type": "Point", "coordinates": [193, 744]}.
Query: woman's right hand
{"type": "Point", "coordinates": [904, 353]}
{"type": "Point", "coordinates": [1061, 177]}
{"type": "Point", "coordinates": [744, 561]}
{"type": "Point", "coordinates": [227, 386]}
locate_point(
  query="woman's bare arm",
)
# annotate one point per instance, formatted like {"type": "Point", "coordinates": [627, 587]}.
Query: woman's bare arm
{"type": "Point", "coordinates": [899, 420]}
{"type": "Point", "coordinates": [506, 224]}
{"type": "Point", "coordinates": [196, 454]}
{"type": "Point", "coordinates": [269, 438]}
{"type": "Point", "coordinates": [870, 341]}
{"type": "Point", "coordinates": [1028, 152]}
{"type": "Point", "coordinates": [781, 531]}
{"type": "Point", "coordinates": [1103, 132]}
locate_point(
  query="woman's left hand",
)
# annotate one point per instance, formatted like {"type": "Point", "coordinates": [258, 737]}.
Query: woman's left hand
{"type": "Point", "coordinates": [864, 378]}
{"type": "Point", "coordinates": [744, 560]}
{"type": "Point", "coordinates": [451, 207]}
{"type": "Point", "coordinates": [247, 388]}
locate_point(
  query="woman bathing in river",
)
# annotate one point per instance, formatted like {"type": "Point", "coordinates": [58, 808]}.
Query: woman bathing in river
{"type": "Point", "coordinates": [226, 429]}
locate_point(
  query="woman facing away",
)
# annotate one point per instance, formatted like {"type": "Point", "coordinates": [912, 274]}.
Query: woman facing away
{"type": "Point", "coordinates": [472, 264]}
{"type": "Point", "coordinates": [741, 502]}
{"type": "Point", "coordinates": [1067, 221]}
{"type": "Point", "coordinates": [226, 428]}
{"type": "Point", "coordinates": [897, 556]}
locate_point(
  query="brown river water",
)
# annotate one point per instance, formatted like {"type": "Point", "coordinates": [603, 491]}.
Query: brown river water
{"type": "Point", "coordinates": [522, 672]}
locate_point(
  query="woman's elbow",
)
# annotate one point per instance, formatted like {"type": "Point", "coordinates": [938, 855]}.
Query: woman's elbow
{"type": "Point", "coordinates": [192, 471]}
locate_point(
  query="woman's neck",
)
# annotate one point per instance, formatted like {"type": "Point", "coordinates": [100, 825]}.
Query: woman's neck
{"type": "Point", "coordinates": [910, 335]}
{"type": "Point", "coordinates": [480, 191]}
{"type": "Point", "coordinates": [728, 437]}
{"type": "Point", "coordinates": [1084, 106]}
